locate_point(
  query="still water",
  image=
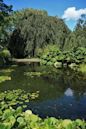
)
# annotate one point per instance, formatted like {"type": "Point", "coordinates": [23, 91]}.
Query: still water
{"type": "Point", "coordinates": [62, 93]}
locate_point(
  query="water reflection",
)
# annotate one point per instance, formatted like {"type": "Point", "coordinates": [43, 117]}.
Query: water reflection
{"type": "Point", "coordinates": [69, 92]}
{"type": "Point", "coordinates": [62, 93]}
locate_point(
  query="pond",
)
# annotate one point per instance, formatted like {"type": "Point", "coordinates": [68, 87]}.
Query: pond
{"type": "Point", "coordinates": [62, 92]}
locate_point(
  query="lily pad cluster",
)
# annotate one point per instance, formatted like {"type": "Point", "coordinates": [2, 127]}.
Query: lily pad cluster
{"type": "Point", "coordinates": [36, 74]}
{"type": "Point", "coordinates": [4, 78]}
{"type": "Point", "coordinates": [12, 115]}
{"type": "Point", "coordinates": [5, 74]}
{"type": "Point", "coordinates": [16, 98]}
{"type": "Point", "coordinates": [9, 70]}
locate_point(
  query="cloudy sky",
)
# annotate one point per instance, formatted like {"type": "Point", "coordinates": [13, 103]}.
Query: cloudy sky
{"type": "Point", "coordinates": [70, 10]}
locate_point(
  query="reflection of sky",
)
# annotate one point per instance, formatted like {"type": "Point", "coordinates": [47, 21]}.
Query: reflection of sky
{"type": "Point", "coordinates": [84, 94]}
{"type": "Point", "coordinates": [66, 106]}
{"type": "Point", "coordinates": [69, 92]}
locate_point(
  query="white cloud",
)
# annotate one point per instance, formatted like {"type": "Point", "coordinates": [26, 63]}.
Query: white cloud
{"type": "Point", "coordinates": [72, 13]}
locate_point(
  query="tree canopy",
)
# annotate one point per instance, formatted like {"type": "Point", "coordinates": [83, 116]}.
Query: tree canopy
{"type": "Point", "coordinates": [28, 31]}
{"type": "Point", "coordinates": [77, 38]}
{"type": "Point", "coordinates": [5, 11]}
{"type": "Point", "coordinates": [34, 30]}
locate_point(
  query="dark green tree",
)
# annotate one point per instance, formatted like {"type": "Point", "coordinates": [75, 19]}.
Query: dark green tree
{"type": "Point", "coordinates": [71, 42]}
{"type": "Point", "coordinates": [77, 38]}
{"type": "Point", "coordinates": [5, 11]}
{"type": "Point", "coordinates": [35, 29]}
{"type": "Point", "coordinates": [80, 31]}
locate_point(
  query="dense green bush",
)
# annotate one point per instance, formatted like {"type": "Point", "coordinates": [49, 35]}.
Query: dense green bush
{"type": "Point", "coordinates": [5, 53]}
{"type": "Point", "coordinates": [5, 56]}
{"type": "Point", "coordinates": [80, 55]}
{"type": "Point", "coordinates": [16, 119]}
{"type": "Point", "coordinates": [52, 54]}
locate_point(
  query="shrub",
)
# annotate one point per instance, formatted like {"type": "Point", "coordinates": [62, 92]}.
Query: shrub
{"type": "Point", "coordinates": [52, 54]}
{"type": "Point", "coordinates": [5, 53]}
{"type": "Point", "coordinates": [4, 57]}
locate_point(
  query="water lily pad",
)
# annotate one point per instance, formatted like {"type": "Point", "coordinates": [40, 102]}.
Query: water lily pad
{"type": "Point", "coordinates": [4, 78]}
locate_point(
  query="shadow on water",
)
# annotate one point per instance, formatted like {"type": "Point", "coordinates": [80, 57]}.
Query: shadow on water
{"type": "Point", "coordinates": [62, 93]}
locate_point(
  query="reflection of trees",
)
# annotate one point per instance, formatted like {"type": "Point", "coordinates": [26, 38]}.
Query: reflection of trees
{"type": "Point", "coordinates": [76, 83]}
{"type": "Point", "coordinates": [74, 80]}
{"type": "Point", "coordinates": [69, 79]}
{"type": "Point", "coordinates": [52, 84]}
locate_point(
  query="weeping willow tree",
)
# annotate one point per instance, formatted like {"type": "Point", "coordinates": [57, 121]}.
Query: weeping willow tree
{"type": "Point", "coordinates": [34, 29]}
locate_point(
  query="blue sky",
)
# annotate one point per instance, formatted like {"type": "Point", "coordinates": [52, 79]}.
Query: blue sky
{"type": "Point", "coordinates": [73, 8]}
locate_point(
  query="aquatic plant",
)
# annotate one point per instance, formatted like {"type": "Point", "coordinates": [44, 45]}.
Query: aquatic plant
{"type": "Point", "coordinates": [17, 119]}
{"type": "Point", "coordinates": [8, 70]}
{"type": "Point", "coordinates": [37, 74]}
{"type": "Point", "coordinates": [12, 115]}
{"type": "Point", "coordinates": [16, 98]}
{"type": "Point", "coordinates": [32, 74]}
{"type": "Point", "coordinates": [4, 78]}
{"type": "Point", "coordinates": [5, 74]}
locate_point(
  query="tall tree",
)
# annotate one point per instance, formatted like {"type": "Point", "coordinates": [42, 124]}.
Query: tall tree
{"type": "Point", "coordinates": [5, 11]}
{"type": "Point", "coordinates": [35, 29]}
{"type": "Point", "coordinates": [77, 38]}
{"type": "Point", "coordinates": [80, 31]}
